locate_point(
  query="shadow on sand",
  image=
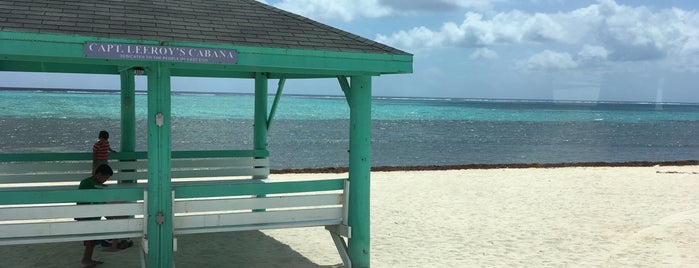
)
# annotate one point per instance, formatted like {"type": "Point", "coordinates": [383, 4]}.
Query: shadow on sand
{"type": "Point", "coordinates": [230, 249]}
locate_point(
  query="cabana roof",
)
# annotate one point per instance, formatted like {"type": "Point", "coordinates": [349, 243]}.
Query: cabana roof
{"type": "Point", "coordinates": [203, 38]}
{"type": "Point", "coordinates": [53, 36]}
{"type": "Point", "coordinates": [242, 22]}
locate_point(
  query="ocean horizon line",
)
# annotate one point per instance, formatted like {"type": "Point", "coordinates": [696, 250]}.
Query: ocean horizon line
{"type": "Point", "coordinates": [407, 98]}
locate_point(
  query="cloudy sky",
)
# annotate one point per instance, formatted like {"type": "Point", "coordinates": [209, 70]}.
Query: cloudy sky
{"type": "Point", "coordinates": [609, 50]}
{"type": "Point", "coordinates": [623, 50]}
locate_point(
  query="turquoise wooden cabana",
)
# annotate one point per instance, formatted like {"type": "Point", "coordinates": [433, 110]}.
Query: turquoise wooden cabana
{"type": "Point", "coordinates": [192, 38]}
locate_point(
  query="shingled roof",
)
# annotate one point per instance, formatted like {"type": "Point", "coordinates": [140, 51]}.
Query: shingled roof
{"type": "Point", "coordinates": [235, 22]}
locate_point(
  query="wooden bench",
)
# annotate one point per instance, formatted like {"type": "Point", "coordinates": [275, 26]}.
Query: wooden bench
{"type": "Point", "coordinates": [214, 191]}
{"type": "Point", "coordinates": [39, 192]}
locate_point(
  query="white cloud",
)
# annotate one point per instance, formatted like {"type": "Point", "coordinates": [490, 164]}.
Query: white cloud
{"type": "Point", "coordinates": [590, 52]}
{"type": "Point", "coordinates": [349, 10]}
{"type": "Point", "coordinates": [475, 4]}
{"type": "Point", "coordinates": [346, 10]}
{"type": "Point", "coordinates": [589, 56]}
{"type": "Point", "coordinates": [483, 53]}
{"type": "Point", "coordinates": [548, 60]}
{"type": "Point", "coordinates": [422, 6]}
{"type": "Point", "coordinates": [625, 33]}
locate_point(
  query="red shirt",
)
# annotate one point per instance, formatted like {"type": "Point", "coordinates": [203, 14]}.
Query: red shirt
{"type": "Point", "coordinates": [100, 151]}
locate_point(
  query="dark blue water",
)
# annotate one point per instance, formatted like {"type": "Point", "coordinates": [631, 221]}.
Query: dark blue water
{"type": "Point", "coordinates": [313, 131]}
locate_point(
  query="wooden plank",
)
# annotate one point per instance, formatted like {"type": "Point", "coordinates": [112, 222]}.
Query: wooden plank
{"type": "Point", "coordinates": [255, 187]}
{"type": "Point", "coordinates": [253, 227]}
{"type": "Point", "coordinates": [125, 175]}
{"type": "Point", "coordinates": [219, 153]}
{"type": "Point", "coordinates": [69, 211]}
{"type": "Point", "coordinates": [35, 172]}
{"type": "Point", "coordinates": [49, 178]}
{"type": "Point", "coordinates": [212, 162]}
{"type": "Point", "coordinates": [138, 165]}
{"type": "Point", "coordinates": [219, 172]}
{"type": "Point", "coordinates": [35, 178]}
{"type": "Point", "coordinates": [240, 162]}
{"type": "Point", "coordinates": [252, 218]}
{"type": "Point", "coordinates": [33, 157]}
{"type": "Point", "coordinates": [8, 168]}
{"type": "Point", "coordinates": [128, 175]}
{"type": "Point", "coordinates": [70, 228]}
{"type": "Point", "coordinates": [210, 205]}
{"type": "Point", "coordinates": [67, 238]}
{"type": "Point", "coordinates": [128, 155]}
{"type": "Point", "coordinates": [62, 195]}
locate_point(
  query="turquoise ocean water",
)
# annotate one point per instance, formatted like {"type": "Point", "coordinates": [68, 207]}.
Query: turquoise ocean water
{"type": "Point", "coordinates": [311, 131]}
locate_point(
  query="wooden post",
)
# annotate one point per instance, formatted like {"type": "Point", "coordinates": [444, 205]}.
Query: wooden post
{"type": "Point", "coordinates": [260, 127]}
{"type": "Point", "coordinates": [359, 170]}
{"type": "Point", "coordinates": [160, 244]}
{"type": "Point", "coordinates": [128, 115]}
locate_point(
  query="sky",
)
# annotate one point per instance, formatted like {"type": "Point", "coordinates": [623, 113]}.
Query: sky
{"type": "Point", "coordinates": [596, 50]}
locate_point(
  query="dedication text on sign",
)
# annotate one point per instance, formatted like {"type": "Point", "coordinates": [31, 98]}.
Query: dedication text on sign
{"type": "Point", "coordinates": [160, 53]}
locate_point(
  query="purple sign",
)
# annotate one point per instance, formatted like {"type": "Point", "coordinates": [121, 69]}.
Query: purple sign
{"type": "Point", "coordinates": [160, 53]}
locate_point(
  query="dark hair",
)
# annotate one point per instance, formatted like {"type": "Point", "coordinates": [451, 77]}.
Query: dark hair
{"type": "Point", "coordinates": [104, 169]}
{"type": "Point", "coordinates": [104, 135]}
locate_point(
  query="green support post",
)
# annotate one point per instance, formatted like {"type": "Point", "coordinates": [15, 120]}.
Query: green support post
{"type": "Point", "coordinates": [277, 97]}
{"type": "Point", "coordinates": [260, 128]}
{"type": "Point", "coordinates": [358, 246]}
{"type": "Point", "coordinates": [160, 245]}
{"type": "Point", "coordinates": [128, 115]}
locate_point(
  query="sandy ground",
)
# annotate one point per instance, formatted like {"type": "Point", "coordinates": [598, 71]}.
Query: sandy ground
{"type": "Point", "coordinates": [535, 217]}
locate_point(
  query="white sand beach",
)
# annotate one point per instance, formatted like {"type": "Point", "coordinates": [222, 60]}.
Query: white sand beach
{"type": "Point", "coordinates": [535, 217]}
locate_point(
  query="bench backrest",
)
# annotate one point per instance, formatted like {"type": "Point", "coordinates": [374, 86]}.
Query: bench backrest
{"type": "Point", "coordinates": [256, 205]}
{"type": "Point", "coordinates": [55, 222]}
{"type": "Point", "coordinates": [73, 167]}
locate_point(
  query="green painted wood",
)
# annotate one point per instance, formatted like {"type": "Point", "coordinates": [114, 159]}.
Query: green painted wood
{"type": "Point", "coordinates": [128, 111]}
{"type": "Point", "coordinates": [255, 187]}
{"type": "Point", "coordinates": [41, 168]}
{"type": "Point", "coordinates": [45, 157]}
{"type": "Point", "coordinates": [37, 157]}
{"type": "Point", "coordinates": [277, 97]}
{"type": "Point", "coordinates": [360, 170]}
{"type": "Point", "coordinates": [196, 164]}
{"type": "Point", "coordinates": [260, 116]}
{"type": "Point", "coordinates": [217, 163]}
{"type": "Point", "coordinates": [43, 195]}
{"type": "Point", "coordinates": [233, 172]}
{"type": "Point", "coordinates": [55, 67]}
{"type": "Point", "coordinates": [260, 127]}
{"type": "Point", "coordinates": [69, 49]}
{"type": "Point", "coordinates": [159, 186]}
{"type": "Point", "coordinates": [220, 153]}
{"type": "Point", "coordinates": [128, 116]}
{"type": "Point", "coordinates": [344, 85]}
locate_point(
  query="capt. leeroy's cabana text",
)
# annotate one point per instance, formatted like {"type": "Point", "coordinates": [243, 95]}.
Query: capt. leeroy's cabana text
{"type": "Point", "coordinates": [160, 53]}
